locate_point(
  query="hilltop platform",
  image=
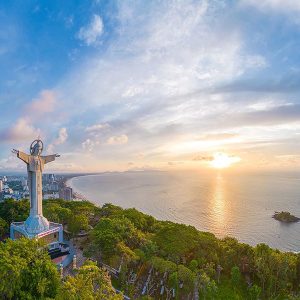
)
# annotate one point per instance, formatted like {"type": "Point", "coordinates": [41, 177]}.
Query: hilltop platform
{"type": "Point", "coordinates": [52, 236]}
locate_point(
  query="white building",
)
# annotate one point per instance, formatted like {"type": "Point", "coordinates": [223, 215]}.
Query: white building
{"type": "Point", "coordinates": [24, 183]}
{"type": "Point", "coordinates": [51, 196]}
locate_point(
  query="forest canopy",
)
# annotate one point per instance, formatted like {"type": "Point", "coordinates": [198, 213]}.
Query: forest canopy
{"type": "Point", "coordinates": [178, 257]}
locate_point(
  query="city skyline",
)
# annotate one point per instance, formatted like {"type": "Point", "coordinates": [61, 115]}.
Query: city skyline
{"type": "Point", "coordinates": [118, 85]}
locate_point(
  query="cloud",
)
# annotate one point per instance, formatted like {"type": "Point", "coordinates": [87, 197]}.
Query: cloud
{"type": "Point", "coordinates": [280, 6]}
{"type": "Point", "coordinates": [89, 145]}
{"type": "Point", "coordinates": [97, 127]}
{"type": "Point", "coordinates": [62, 136]}
{"type": "Point", "coordinates": [289, 158]}
{"type": "Point", "coordinates": [177, 78]}
{"type": "Point", "coordinates": [25, 127]}
{"type": "Point", "coordinates": [218, 136]}
{"type": "Point", "coordinates": [44, 104]}
{"type": "Point", "coordinates": [151, 71]}
{"type": "Point", "coordinates": [157, 77]}
{"type": "Point", "coordinates": [21, 131]}
{"type": "Point", "coordinates": [90, 33]}
{"type": "Point", "coordinates": [277, 115]}
{"type": "Point", "coordinates": [152, 60]}
{"type": "Point", "coordinates": [11, 162]}
{"type": "Point", "coordinates": [132, 91]}
{"type": "Point", "coordinates": [117, 140]}
{"type": "Point", "coordinates": [199, 157]}
{"type": "Point", "coordinates": [60, 139]}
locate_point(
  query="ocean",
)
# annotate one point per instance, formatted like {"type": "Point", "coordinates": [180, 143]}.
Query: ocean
{"type": "Point", "coordinates": [223, 203]}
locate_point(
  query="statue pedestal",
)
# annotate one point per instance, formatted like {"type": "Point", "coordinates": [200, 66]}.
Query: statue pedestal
{"type": "Point", "coordinates": [51, 233]}
{"type": "Point", "coordinates": [36, 224]}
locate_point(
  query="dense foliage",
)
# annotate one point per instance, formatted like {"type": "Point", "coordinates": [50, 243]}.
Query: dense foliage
{"type": "Point", "coordinates": [76, 216]}
{"type": "Point", "coordinates": [157, 259]}
{"type": "Point", "coordinates": [12, 210]}
{"type": "Point", "coordinates": [187, 259]}
{"type": "Point", "coordinates": [90, 282]}
{"type": "Point", "coordinates": [26, 271]}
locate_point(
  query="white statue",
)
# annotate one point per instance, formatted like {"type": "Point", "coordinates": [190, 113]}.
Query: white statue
{"type": "Point", "coordinates": [36, 222]}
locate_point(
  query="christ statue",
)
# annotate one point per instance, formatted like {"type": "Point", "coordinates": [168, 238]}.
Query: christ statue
{"type": "Point", "coordinates": [35, 162]}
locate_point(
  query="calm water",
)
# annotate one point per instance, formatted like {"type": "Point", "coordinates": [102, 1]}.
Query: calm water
{"type": "Point", "coordinates": [224, 204]}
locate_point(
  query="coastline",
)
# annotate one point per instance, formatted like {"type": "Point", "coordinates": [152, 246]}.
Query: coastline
{"type": "Point", "coordinates": [276, 235]}
{"type": "Point", "coordinates": [78, 196]}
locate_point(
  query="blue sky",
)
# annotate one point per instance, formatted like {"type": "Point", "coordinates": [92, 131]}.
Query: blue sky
{"type": "Point", "coordinates": [117, 85]}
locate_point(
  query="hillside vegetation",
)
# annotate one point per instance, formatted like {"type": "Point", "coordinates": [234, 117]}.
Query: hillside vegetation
{"type": "Point", "coordinates": [161, 260]}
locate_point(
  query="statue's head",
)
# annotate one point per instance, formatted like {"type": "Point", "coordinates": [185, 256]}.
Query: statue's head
{"type": "Point", "coordinates": [36, 147]}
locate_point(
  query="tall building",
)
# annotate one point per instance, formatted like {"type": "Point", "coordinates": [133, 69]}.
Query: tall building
{"type": "Point", "coordinates": [49, 178]}
{"type": "Point", "coordinates": [66, 193]}
{"type": "Point", "coordinates": [1, 185]}
{"type": "Point", "coordinates": [24, 183]}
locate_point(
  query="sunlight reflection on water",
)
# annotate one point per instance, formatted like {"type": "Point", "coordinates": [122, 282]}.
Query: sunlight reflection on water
{"type": "Point", "coordinates": [225, 204]}
{"type": "Point", "coordinates": [219, 206]}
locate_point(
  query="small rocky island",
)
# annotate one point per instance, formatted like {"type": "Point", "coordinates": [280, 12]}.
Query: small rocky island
{"type": "Point", "coordinates": [285, 217]}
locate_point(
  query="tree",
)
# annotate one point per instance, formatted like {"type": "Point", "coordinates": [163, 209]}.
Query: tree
{"type": "Point", "coordinates": [12, 210]}
{"type": "Point", "coordinates": [173, 282]}
{"type": "Point", "coordinates": [56, 213]}
{"type": "Point", "coordinates": [26, 270]}
{"type": "Point", "coordinates": [186, 276]}
{"type": "Point", "coordinates": [162, 265]}
{"type": "Point", "coordinates": [175, 248]}
{"type": "Point", "coordinates": [126, 253]}
{"type": "Point", "coordinates": [211, 289]}
{"type": "Point", "coordinates": [208, 287]}
{"type": "Point", "coordinates": [235, 276]}
{"type": "Point", "coordinates": [194, 265]}
{"type": "Point", "coordinates": [276, 270]}
{"type": "Point", "coordinates": [149, 249]}
{"type": "Point", "coordinates": [254, 292]}
{"type": "Point", "coordinates": [109, 232]}
{"type": "Point", "coordinates": [64, 214]}
{"type": "Point", "coordinates": [50, 211]}
{"type": "Point", "coordinates": [141, 221]}
{"type": "Point", "coordinates": [90, 282]}
{"type": "Point", "coordinates": [3, 227]}
{"type": "Point", "coordinates": [77, 223]}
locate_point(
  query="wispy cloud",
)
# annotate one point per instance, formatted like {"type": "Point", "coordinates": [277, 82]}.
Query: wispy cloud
{"type": "Point", "coordinates": [291, 6]}
{"type": "Point", "coordinates": [97, 127]}
{"type": "Point", "coordinates": [21, 131]}
{"type": "Point", "coordinates": [168, 81]}
{"type": "Point", "coordinates": [117, 140]}
{"type": "Point", "coordinates": [60, 139]}
{"type": "Point", "coordinates": [44, 104]}
{"type": "Point", "coordinates": [24, 128]}
{"type": "Point", "coordinates": [91, 33]}
{"type": "Point", "coordinates": [89, 144]}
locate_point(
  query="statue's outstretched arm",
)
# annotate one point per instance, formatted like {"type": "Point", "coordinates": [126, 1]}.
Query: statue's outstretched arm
{"type": "Point", "coordinates": [23, 156]}
{"type": "Point", "coordinates": [49, 158]}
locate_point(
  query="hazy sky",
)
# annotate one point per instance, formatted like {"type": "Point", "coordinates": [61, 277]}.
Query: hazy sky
{"type": "Point", "coordinates": [116, 85]}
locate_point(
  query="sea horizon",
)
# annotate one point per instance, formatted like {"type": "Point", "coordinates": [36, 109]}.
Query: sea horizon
{"type": "Point", "coordinates": [221, 203]}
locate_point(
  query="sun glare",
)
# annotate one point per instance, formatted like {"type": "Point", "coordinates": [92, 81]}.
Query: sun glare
{"type": "Point", "coordinates": [223, 160]}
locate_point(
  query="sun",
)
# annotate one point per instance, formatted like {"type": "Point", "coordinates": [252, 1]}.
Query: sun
{"type": "Point", "coordinates": [223, 160]}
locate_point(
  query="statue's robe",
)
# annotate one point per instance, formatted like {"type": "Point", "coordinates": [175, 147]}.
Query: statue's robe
{"type": "Point", "coordinates": [35, 167]}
